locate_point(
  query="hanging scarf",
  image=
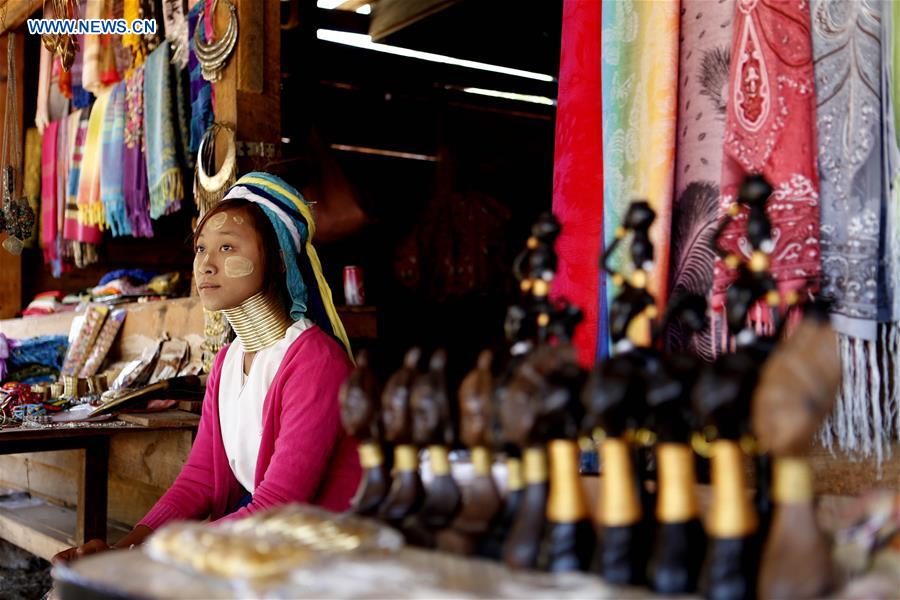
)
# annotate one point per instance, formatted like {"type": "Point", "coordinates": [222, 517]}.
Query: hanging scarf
{"type": "Point", "coordinates": [66, 129]}
{"type": "Point", "coordinates": [134, 42]}
{"type": "Point", "coordinates": [48, 191]}
{"type": "Point", "coordinates": [770, 129]}
{"type": "Point", "coordinates": [183, 107]}
{"type": "Point", "coordinates": [134, 167]}
{"type": "Point", "coordinates": [201, 90]}
{"type": "Point", "coordinates": [578, 170]}
{"type": "Point", "coordinates": [163, 174]}
{"type": "Point", "coordinates": [82, 238]}
{"type": "Point", "coordinates": [90, 70]}
{"type": "Point", "coordinates": [176, 31]}
{"type": "Point", "coordinates": [640, 71]}
{"type": "Point", "coordinates": [853, 45]}
{"type": "Point", "coordinates": [90, 207]}
{"type": "Point", "coordinates": [704, 57]}
{"type": "Point", "coordinates": [31, 183]}
{"type": "Point", "coordinates": [42, 108]}
{"type": "Point", "coordinates": [293, 223]}
{"type": "Point", "coordinates": [111, 193]}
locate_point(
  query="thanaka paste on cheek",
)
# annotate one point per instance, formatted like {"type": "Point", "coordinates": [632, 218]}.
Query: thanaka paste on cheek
{"type": "Point", "coordinates": [238, 266]}
{"type": "Point", "coordinates": [238, 219]}
{"type": "Point", "coordinates": [218, 220]}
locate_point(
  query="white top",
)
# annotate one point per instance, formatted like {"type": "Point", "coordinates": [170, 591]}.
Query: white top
{"type": "Point", "coordinates": [241, 401]}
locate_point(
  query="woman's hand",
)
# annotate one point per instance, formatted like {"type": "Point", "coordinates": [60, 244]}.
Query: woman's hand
{"type": "Point", "coordinates": [92, 547]}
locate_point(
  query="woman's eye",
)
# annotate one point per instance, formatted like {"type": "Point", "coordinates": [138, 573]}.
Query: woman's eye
{"type": "Point", "coordinates": [199, 250]}
{"type": "Point", "coordinates": [226, 247]}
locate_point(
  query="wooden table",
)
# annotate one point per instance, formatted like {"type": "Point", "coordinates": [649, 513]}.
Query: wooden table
{"type": "Point", "coordinates": [94, 440]}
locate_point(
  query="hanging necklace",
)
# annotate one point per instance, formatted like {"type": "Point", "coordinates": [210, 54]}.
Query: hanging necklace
{"type": "Point", "coordinates": [209, 189]}
{"type": "Point", "coordinates": [16, 218]}
{"type": "Point", "coordinates": [214, 56]}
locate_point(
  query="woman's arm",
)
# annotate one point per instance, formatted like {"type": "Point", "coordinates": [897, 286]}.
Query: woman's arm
{"type": "Point", "coordinates": [309, 427]}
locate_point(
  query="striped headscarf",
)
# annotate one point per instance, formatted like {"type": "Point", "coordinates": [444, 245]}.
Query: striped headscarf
{"type": "Point", "coordinates": [293, 223]}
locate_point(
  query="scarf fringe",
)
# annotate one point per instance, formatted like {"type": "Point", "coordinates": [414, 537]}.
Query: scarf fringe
{"type": "Point", "coordinates": [865, 421]}
{"type": "Point", "coordinates": [166, 195]}
{"type": "Point", "coordinates": [92, 214]}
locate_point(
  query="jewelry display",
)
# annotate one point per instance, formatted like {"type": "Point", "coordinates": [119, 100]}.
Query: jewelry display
{"type": "Point", "coordinates": [213, 56]}
{"type": "Point", "coordinates": [209, 189]}
{"type": "Point", "coordinates": [16, 218]}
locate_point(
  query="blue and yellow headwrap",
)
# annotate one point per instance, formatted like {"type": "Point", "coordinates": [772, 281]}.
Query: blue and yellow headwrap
{"type": "Point", "coordinates": [293, 223]}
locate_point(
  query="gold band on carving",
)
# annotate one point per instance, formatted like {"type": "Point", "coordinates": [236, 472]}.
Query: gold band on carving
{"type": "Point", "coordinates": [535, 466]}
{"type": "Point", "coordinates": [440, 463]}
{"type": "Point", "coordinates": [514, 479]}
{"type": "Point", "coordinates": [731, 513]}
{"type": "Point", "coordinates": [406, 458]}
{"type": "Point", "coordinates": [792, 480]}
{"type": "Point", "coordinates": [370, 456]}
{"type": "Point", "coordinates": [566, 503]}
{"type": "Point", "coordinates": [676, 501]}
{"type": "Point", "coordinates": [618, 499]}
{"type": "Point", "coordinates": [481, 460]}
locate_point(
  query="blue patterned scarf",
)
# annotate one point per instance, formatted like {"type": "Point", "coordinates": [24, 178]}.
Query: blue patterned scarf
{"type": "Point", "coordinates": [163, 174]}
{"type": "Point", "coordinates": [111, 193]}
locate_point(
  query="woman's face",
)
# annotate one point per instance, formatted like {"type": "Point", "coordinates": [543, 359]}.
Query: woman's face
{"type": "Point", "coordinates": [228, 260]}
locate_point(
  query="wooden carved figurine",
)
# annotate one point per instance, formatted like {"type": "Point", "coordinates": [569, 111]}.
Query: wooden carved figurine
{"type": "Point", "coordinates": [481, 501]}
{"type": "Point", "coordinates": [432, 428]}
{"type": "Point", "coordinates": [680, 541]}
{"type": "Point", "coordinates": [570, 539]}
{"type": "Point", "coordinates": [360, 416]}
{"type": "Point", "coordinates": [406, 494]}
{"type": "Point", "coordinates": [796, 391]}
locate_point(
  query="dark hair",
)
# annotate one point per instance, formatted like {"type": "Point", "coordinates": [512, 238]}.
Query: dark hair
{"type": "Point", "coordinates": [273, 268]}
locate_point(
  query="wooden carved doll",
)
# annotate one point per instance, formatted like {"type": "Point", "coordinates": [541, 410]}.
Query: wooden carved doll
{"type": "Point", "coordinates": [481, 501]}
{"type": "Point", "coordinates": [360, 416]}
{"type": "Point", "coordinates": [570, 539]}
{"type": "Point", "coordinates": [406, 494]}
{"type": "Point", "coordinates": [796, 391]}
{"type": "Point", "coordinates": [680, 541]}
{"type": "Point", "coordinates": [432, 428]}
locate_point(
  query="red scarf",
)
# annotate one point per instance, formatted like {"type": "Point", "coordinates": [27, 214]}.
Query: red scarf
{"type": "Point", "coordinates": [771, 129]}
{"type": "Point", "coordinates": [578, 170]}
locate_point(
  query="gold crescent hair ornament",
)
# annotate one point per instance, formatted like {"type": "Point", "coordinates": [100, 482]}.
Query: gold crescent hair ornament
{"type": "Point", "coordinates": [209, 189]}
{"type": "Point", "coordinates": [213, 56]}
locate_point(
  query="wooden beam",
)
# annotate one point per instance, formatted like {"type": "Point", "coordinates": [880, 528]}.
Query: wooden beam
{"type": "Point", "coordinates": [11, 266]}
{"type": "Point", "coordinates": [354, 4]}
{"type": "Point", "coordinates": [251, 47]}
{"type": "Point", "coordinates": [14, 12]}
{"type": "Point", "coordinates": [393, 15]}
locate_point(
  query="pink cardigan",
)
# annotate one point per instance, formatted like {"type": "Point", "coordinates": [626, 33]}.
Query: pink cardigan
{"type": "Point", "coordinates": [304, 455]}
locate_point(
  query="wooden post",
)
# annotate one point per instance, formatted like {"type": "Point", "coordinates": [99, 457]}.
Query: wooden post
{"type": "Point", "coordinates": [93, 492]}
{"type": "Point", "coordinates": [249, 94]}
{"type": "Point", "coordinates": [11, 266]}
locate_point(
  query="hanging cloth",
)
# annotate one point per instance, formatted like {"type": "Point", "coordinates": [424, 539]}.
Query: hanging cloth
{"type": "Point", "coordinates": [578, 170]}
{"type": "Point", "coordinates": [176, 30]}
{"type": "Point", "coordinates": [202, 115]}
{"type": "Point", "coordinates": [48, 191]}
{"type": "Point", "coordinates": [31, 180]}
{"type": "Point", "coordinates": [134, 167]}
{"type": "Point", "coordinates": [160, 120]}
{"type": "Point", "coordinates": [770, 129]}
{"type": "Point", "coordinates": [82, 239]}
{"type": "Point", "coordinates": [853, 45]}
{"type": "Point", "coordinates": [704, 53]}
{"type": "Point", "coordinates": [81, 97]}
{"type": "Point", "coordinates": [640, 87]}
{"type": "Point", "coordinates": [90, 207]}
{"type": "Point", "coordinates": [113, 142]}
{"type": "Point", "coordinates": [134, 42]}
